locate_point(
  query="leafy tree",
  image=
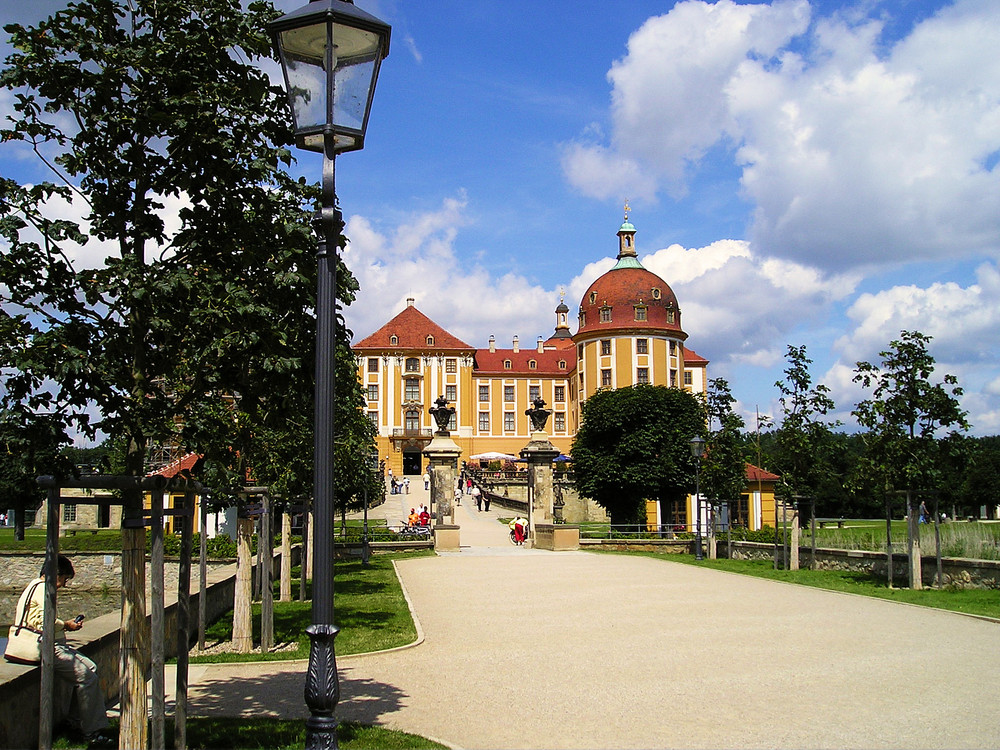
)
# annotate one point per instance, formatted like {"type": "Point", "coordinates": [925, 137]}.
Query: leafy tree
{"type": "Point", "coordinates": [134, 106]}
{"type": "Point", "coordinates": [981, 484]}
{"type": "Point", "coordinates": [634, 444]}
{"type": "Point", "coordinates": [802, 432]}
{"type": "Point", "coordinates": [902, 419]}
{"type": "Point", "coordinates": [723, 469]}
{"type": "Point", "coordinates": [29, 446]}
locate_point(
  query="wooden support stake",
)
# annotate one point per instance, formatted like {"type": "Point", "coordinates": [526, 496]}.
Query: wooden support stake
{"type": "Point", "coordinates": [158, 738]}
{"type": "Point", "coordinates": [265, 543]}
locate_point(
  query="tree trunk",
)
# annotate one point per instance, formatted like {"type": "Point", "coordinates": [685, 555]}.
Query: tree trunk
{"type": "Point", "coordinates": [242, 620]}
{"type": "Point", "coordinates": [913, 539]}
{"type": "Point", "coordinates": [134, 642]}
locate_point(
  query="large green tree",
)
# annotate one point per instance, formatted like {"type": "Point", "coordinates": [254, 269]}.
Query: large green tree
{"type": "Point", "coordinates": [161, 131]}
{"type": "Point", "coordinates": [902, 419]}
{"type": "Point", "coordinates": [633, 445]}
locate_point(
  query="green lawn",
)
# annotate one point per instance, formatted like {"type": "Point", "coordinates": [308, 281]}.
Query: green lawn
{"type": "Point", "coordinates": [369, 609]}
{"type": "Point", "coordinates": [105, 540]}
{"type": "Point", "coordinates": [982, 602]}
{"type": "Point", "coordinates": [976, 540]}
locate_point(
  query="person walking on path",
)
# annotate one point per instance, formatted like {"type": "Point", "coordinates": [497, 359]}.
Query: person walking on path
{"type": "Point", "coordinates": [486, 503]}
{"type": "Point", "coordinates": [87, 707]}
{"type": "Point", "coordinates": [427, 481]}
{"type": "Point", "coordinates": [477, 495]}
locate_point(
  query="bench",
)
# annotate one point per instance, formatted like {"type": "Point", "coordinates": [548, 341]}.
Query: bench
{"type": "Point", "coordinates": [74, 532]}
{"type": "Point", "coordinates": [824, 521]}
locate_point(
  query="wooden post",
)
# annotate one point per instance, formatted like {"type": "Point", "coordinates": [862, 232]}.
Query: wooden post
{"type": "Point", "coordinates": [265, 543]}
{"type": "Point", "coordinates": [913, 527]}
{"type": "Point", "coordinates": [47, 677]}
{"type": "Point", "coordinates": [305, 554]}
{"type": "Point", "coordinates": [183, 623]}
{"type": "Point", "coordinates": [158, 738]}
{"type": "Point", "coordinates": [133, 732]}
{"type": "Point", "coordinates": [242, 622]}
{"type": "Point", "coordinates": [202, 573]}
{"type": "Point", "coordinates": [285, 590]}
{"type": "Point", "coordinates": [793, 544]}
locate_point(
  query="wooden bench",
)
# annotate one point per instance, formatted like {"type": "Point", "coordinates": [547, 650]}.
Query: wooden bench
{"type": "Point", "coordinates": [74, 532]}
{"type": "Point", "coordinates": [824, 521]}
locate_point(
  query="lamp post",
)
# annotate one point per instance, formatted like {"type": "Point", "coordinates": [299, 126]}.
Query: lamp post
{"type": "Point", "coordinates": [330, 53]}
{"type": "Point", "coordinates": [697, 450]}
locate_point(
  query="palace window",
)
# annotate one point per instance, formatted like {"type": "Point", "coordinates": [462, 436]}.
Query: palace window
{"type": "Point", "coordinates": [593, 297]}
{"type": "Point", "coordinates": [69, 514]}
{"type": "Point", "coordinates": [430, 340]}
{"type": "Point", "coordinates": [640, 312]}
{"type": "Point", "coordinates": [687, 377]}
{"type": "Point", "coordinates": [534, 391]}
{"type": "Point", "coordinates": [506, 364]}
{"type": "Point", "coordinates": [484, 393]}
{"type": "Point", "coordinates": [411, 389]}
{"type": "Point", "coordinates": [532, 364]}
{"type": "Point", "coordinates": [656, 293]}
{"type": "Point", "coordinates": [583, 318]}
{"type": "Point", "coordinates": [394, 340]}
{"type": "Point", "coordinates": [642, 346]}
{"type": "Point", "coordinates": [560, 394]}
{"type": "Point", "coordinates": [605, 346]}
{"type": "Point", "coordinates": [605, 314]}
{"type": "Point", "coordinates": [412, 364]}
{"type": "Point", "coordinates": [453, 422]}
{"type": "Point", "coordinates": [451, 365]}
{"type": "Point", "coordinates": [508, 393]}
{"type": "Point", "coordinates": [670, 316]}
{"type": "Point", "coordinates": [373, 392]}
{"type": "Point", "coordinates": [579, 351]}
{"type": "Point", "coordinates": [642, 375]}
{"type": "Point", "coordinates": [484, 421]}
{"type": "Point", "coordinates": [451, 392]}
{"type": "Point", "coordinates": [373, 416]}
{"type": "Point", "coordinates": [508, 421]}
{"type": "Point", "coordinates": [412, 421]}
{"type": "Point", "coordinates": [673, 348]}
{"type": "Point", "coordinates": [562, 364]}
{"type": "Point", "coordinates": [372, 364]}
{"type": "Point", "coordinates": [673, 378]}
{"type": "Point", "coordinates": [560, 421]}
{"type": "Point", "coordinates": [605, 377]}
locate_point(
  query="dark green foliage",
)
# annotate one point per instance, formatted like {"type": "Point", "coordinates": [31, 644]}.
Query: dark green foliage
{"type": "Point", "coordinates": [634, 444]}
{"type": "Point", "coordinates": [723, 470]}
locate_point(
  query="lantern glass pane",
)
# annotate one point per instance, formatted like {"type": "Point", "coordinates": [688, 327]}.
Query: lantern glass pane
{"type": "Point", "coordinates": [306, 75]}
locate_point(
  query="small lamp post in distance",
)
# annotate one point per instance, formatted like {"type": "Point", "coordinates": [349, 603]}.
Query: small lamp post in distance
{"type": "Point", "coordinates": [330, 53]}
{"type": "Point", "coordinates": [697, 450]}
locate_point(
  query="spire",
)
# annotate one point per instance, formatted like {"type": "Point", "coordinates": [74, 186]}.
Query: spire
{"type": "Point", "coordinates": [562, 321]}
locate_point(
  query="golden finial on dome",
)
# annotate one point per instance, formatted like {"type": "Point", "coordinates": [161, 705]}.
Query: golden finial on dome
{"type": "Point", "coordinates": [562, 294]}
{"type": "Point", "coordinates": [627, 209]}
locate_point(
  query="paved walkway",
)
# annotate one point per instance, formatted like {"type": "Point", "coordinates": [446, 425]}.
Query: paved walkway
{"type": "Point", "coordinates": [532, 649]}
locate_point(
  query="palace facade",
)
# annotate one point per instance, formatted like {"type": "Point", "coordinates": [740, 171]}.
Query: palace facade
{"type": "Point", "coordinates": [628, 332]}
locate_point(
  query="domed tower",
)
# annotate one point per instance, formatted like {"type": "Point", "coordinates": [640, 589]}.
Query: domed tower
{"type": "Point", "coordinates": [630, 327]}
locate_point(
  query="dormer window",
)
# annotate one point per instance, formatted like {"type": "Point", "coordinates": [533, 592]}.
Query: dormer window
{"type": "Point", "coordinates": [656, 292]}
{"type": "Point", "coordinates": [605, 314]}
{"type": "Point", "coordinates": [532, 365]}
{"type": "Point", "coordinates": [593, 297]}
{"type": "Point", "coordinates": [507, 364]}
{"type": "Point", "coordinates": [583, 319]}
{"type": "Point", "coordinates": [670, 316]}
{"type": "Point", "coordinates": [430, 340]}
{"type": "Point", "coordinates": [562, 364]}
{"type": "Point", "coordinates": [394, 340]}
{"type": "Point", "coordinates": [640, 312]}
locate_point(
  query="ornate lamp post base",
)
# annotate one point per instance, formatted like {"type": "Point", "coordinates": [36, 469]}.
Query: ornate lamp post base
{"type": "Point", "coordinates": [322, 689]}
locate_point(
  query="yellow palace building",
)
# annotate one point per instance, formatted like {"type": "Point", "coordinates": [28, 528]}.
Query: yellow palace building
{"type": "Point", "coordinates": [628, 332]}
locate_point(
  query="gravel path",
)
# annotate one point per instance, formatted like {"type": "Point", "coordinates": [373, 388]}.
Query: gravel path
{"type": "Point", "coordinates": [529, 649]}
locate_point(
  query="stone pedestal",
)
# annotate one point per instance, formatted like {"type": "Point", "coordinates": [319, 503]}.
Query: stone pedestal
{"type": "Point", "coordinates": [446, 538]}
{"type": "Point", "coordinates": [539, 454]}
{"type": "Point", "coordinates": [442, 453]}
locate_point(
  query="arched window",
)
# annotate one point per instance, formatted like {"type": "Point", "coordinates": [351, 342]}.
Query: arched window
{"type": "Point", "coordinates": [394, 340]}
{"type": "Point", "coordinates": [507, 364]}
{"type": "Point", "coordinates": [412, 364]}
{"type": "Point", "coordinates": [430, 340]}
{"type": "Point", "coordinates": [532, 364]}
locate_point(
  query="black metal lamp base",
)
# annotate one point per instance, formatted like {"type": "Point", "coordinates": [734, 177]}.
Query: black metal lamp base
{"type": "Point", "coordinates": [322, 688]}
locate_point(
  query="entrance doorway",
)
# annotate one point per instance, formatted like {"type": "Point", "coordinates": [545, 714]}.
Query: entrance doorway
{"type": "Point", "coordinates": [412, 461]}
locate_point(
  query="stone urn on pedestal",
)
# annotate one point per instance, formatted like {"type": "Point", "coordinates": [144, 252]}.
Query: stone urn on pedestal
{"type": "Point", "coordinates": [539, 454]}
{"type": "Point", "coordinates": [442, 454]}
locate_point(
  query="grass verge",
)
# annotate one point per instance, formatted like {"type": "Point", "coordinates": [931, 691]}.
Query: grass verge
{"type": "Point", "coordinates": [280, 734]}
{"type": "Point", "coordinates": [369, 608]}
{"type": "Point", "coordinates": [983, 602]}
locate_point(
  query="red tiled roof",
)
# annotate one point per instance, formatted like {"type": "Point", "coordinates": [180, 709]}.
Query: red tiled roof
{"type": "Point", "coordinates": [185, 463]}
{"type": "Point", "coordinates": [546, 362]}
{"type": "Point", "coordinates": [691, 357]}
{"type": "Point", "coordinates": [755, 473]}
{"type": "Point", "coordinates": [411, 328]}
{"type": "Point", "coordinates": [622, 289]}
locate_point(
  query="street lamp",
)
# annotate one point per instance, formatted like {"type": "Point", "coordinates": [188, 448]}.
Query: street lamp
{"type": "Point", "coordinates": [697, 450]}
{"type": "Point", "coordinates": [330, 53]}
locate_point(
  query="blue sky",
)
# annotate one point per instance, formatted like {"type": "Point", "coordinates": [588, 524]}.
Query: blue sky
{"type": "Point", "coordinates": [819, 173]}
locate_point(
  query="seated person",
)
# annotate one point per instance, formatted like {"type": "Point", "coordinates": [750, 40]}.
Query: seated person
{"type": "Point", "coordinates": [425, 518]}
{"type": "Point", "coordinates": [414, 519]}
